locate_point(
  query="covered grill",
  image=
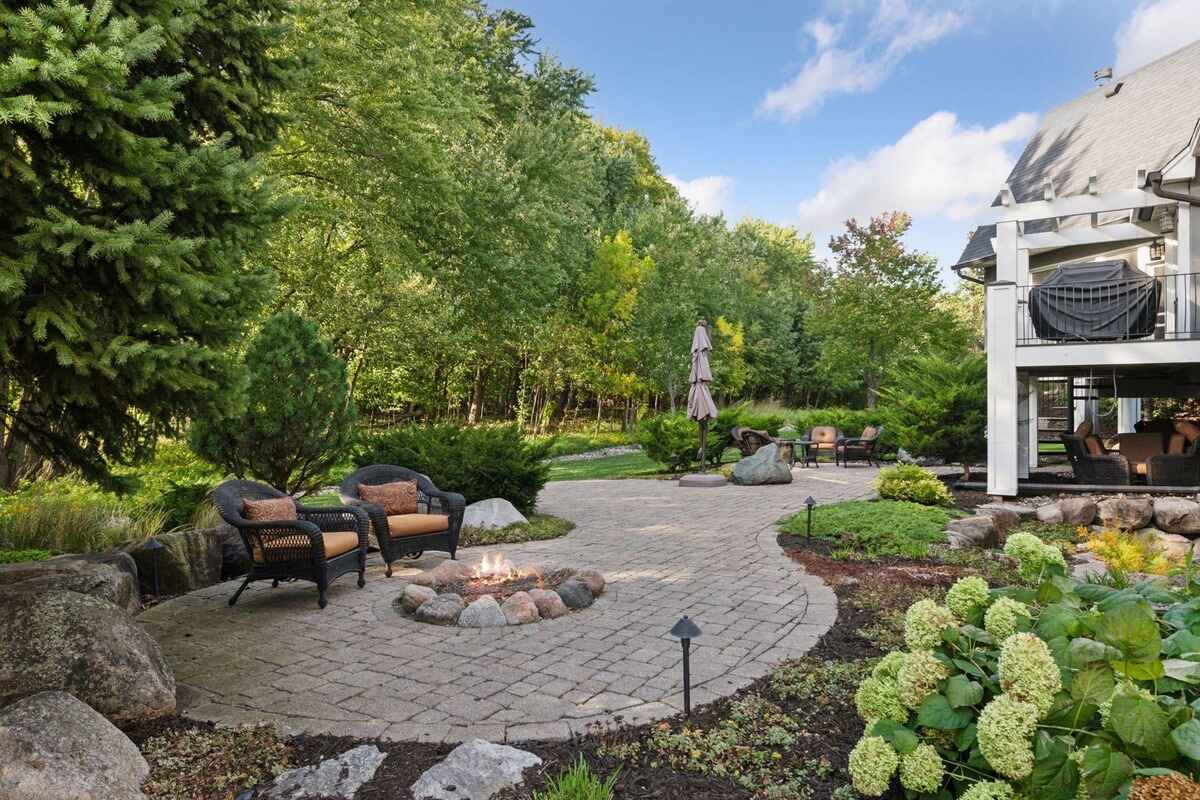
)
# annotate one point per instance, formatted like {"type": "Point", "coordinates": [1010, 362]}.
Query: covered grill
{"type": "Point", "coordinates": [1095, 302]}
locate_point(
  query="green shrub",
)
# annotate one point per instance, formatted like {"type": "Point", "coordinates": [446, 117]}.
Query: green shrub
{"type": "Point", "coordinates": [910, 482]}
{"type": "Point", "coordinates": [70, 516]}
{"type": "Point", "coordinates": [478, 462]}
{"type": "Point", "coordinates": [176, 481]}
{"type": "Point", "coordinates": [18, 556]}
{"type": "Point", "coordinates": [1053, 689]}
{"type": "Point", "coordinates": [578, 782]}
{"type": "Point", "coordinates": [672, 439]}
{"type": "Point", "coordinates": [874, 527]}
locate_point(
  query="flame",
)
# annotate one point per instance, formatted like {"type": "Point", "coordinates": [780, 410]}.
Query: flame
{"type": "Point", "coordinates": [495, 567]}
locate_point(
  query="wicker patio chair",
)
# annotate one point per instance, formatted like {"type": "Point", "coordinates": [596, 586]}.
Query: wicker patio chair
{"type": "Point", "coordinates": [1097, 469]}
{"type": "Point", "coordinates": [860, 448]}
{"type": "Point", "coordinates": [750, 441]}
{"type": "Point", "coordinates": [408, 535]}
{"type": "Point", "coordinates": [1174, 469]}
{"type": "Point", "coordinates": [321, 545]}
{"type": "Point", "coordinates": [823, 439]}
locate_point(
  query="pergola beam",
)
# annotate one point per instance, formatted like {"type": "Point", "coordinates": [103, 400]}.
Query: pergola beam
{"type": "Point", "coordinates": [1074, 236]}
{"type": "Point", "coordinates": [1120, 200]}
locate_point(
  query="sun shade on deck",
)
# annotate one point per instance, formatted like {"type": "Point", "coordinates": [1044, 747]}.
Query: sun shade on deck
{"type": "Point", "coordinates": [1098, 302]}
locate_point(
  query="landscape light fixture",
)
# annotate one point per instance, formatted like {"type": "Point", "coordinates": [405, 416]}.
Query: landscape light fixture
{"type": "Point", "coordinates": [685, 630]}
{"type": "Point", "coordinates": [155, 547]}
{"type": "Point", "coordinates": [810, 504]}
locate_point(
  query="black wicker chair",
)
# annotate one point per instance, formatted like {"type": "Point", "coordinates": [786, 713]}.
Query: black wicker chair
{"type": "Point", "coordinates": [1175, 469]}
{"type": "Point", "coordinates": [859, 448]}
{"type": "Point", "coordinates": [1103, 469]}
{"type": "Point", "coordinates": [422, 532]}
{"type": "Point", "coordinates": [300, 549]}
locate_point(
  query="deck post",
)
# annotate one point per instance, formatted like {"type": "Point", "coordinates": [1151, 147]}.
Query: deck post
{"type": "Point", "coordinates": [1002, 432]}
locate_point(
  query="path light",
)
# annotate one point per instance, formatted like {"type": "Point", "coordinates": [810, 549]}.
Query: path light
{"type": "Point", "coordinates": [810, 504]}
{"type": "Point", "coordinates": [685, 630]}
{"type": "Point", "coordinates": [155, 547]}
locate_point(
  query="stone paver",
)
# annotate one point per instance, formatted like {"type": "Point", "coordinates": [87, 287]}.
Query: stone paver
{"type": "Point", "coordinates": [361, 668]}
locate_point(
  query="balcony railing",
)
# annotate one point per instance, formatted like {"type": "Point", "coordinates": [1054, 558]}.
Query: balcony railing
{"type": "Point", "coordinates": [1165, 307]}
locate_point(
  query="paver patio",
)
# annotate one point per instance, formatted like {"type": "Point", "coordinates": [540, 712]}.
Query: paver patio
{"type": "Point", "coordinates": [360, 668]}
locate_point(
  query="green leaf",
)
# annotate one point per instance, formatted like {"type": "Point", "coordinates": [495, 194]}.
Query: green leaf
{"type": "Point", "coordinates": [1155, 592]}
{"type": "Point", "coordinates": [976, 634]}
{"type": "Point", "coordinates": [1139, 670]}
{"type": "Point", "coordinates": [1093, 592]}
{"type": "Point", "coordinates": [1084, 651]}
{"type": "Point", "coordinates": [961, 691]}
{"type": "Point", "coordinates": [1132, 629]}
{"type": "Point", "coordinates": [1104, 771]}
{"type": "Point", "coordinates": [936, 712]}
{"type": "Point", "coordinates": [1055, 775]}
{"type": "Point", "coordinates": [969, 668]}
{"type": "Point", "coordinates": [1048, 593]}
{"type": "Point", "coordinates": [1180, 643]}
{"type": "Point", "coordinates": [899, 737]}
{"type": "Point", "coordinates": [1187, 739]}
{"type": "Point", "coordinates": [966, 737]}
{"type": "Point", "coordinates": [1093, 684]}
{"type": "Point", "coordinates": [1141, 723]}
{"type": "Point", "coordinates": [1057, 620]}
{"type": "Point", "coordinates": [1182, 670]}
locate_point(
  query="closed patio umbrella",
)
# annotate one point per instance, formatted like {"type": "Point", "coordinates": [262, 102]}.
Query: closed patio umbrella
{"type": "Point", "coordinates": [700, 403]}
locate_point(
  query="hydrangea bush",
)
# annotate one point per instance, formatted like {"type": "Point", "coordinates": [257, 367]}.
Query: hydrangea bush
{"type": "Point", "coordinates": [1053, 689]}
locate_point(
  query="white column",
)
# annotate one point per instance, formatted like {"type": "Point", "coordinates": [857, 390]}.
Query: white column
{"type": "Point", "coordinates": [1002, 366]}
{"type": "Point", "coordinates": [1035, 412]}
{"type": "Point", "coordinates": [1129, 411]}
{"type": "Point", "coordinates": [1023, 427]}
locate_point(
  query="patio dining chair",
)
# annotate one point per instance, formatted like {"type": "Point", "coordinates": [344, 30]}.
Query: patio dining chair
{"type": "Point", "coordinates": [860, 448]}
{"type": "Point", "coordinates": [294, 542]}
{"type": "Point", "coordinates": [750, 441]}
{"type": "Point", "coordinates": [433, 523]}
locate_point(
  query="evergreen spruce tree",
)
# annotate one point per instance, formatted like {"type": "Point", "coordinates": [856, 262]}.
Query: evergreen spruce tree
{"type": "Point", "coordinates": [132, 196]}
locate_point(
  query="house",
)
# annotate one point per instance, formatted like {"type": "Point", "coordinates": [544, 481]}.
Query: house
{"type": "Point", "coordinates": [1091, 267]}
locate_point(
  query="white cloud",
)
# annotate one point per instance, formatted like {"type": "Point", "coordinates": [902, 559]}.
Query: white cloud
{"type": "Point", "coordinates": [1156, 28]}
{"type": "Point", "coordinates": [939, 171]}
{"type": "Point", "coordinates": [896, 29]}
{"type": "Point", "coordinates": [707, 195]}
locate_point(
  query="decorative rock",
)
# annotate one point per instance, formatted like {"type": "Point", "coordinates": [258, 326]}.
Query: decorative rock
{"type": "Point", "coordinates": [519, 609]}
{"type": "Point", "coordinates": [338, 777]}
{"type": "Point", "coordinates": [111, 577]}
{"type": "Point", "coordinates": [1126, 513]}
{"type": "Point", "coordinates": [1173, 544]}
{"type": "Point", "coordinates": [762, 468]}
{"type": "Point", "coordinates": [1177, 515]}
{"type": "Point", "coordinates": [441, 610]}
{"type": "Point", "coordinates": [1050, 514]}
{"type": "Point", "coordinates": [414, 596]}
{"type": "Point", "coordinates": [188, 560]}
{"type": "Point", "coordinates": [549, 604]}
{"type": "Point", "coordinates": [1077, 510]}
{"type": "Point", "coordinates": [575, 593]}
{"type": "Point", "coordinates": [593, 579]}
{"type": "Point", "coordinates": [1087, 565]}
{"type": "Point", "coordinates": [972, 532]}
{"type": "Point", "coordinates": [475, 770]}
{"type": "Point", "coordinates": [235, 560]}
{"type": "Point", "coordinates": [1001, 515]}
{"type": "Point", "coordinates": [85, 646]}
{"type": "Point", "coordinates": [492, 514]}
{"type": "Point", "coordinates": [483, 613]}
{"type": "Point", "coordinates": [445, 572]}
{"type": "Point", "coordinates": [52, 745]}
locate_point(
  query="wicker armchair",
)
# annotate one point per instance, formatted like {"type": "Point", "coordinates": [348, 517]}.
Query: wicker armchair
{"type": "Point", "coordinates": [1176, 469]}
{"type": "Point", "coordinates": [821, 440]}
{"type": "Point", "coordinates": [750, 441]}
{"type": "Point", "coordinates": [320, 546]}
{"type": "Point", "coordinates": [408, 535]}
{"type": "Point", "coordinates": [1102, 469]}
{"type": "Point", "coordinates": [860, 448]}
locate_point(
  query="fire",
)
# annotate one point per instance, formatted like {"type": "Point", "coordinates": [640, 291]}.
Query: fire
{"type": "Point", "coordinates": [495, 565]}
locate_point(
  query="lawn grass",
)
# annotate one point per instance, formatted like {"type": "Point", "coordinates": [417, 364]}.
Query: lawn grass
{"type": "Point", "coordinates": [569, 444]}
{"type": "Point", "coordinates": [630, 465]}
{"type": "Point", "coordinates": [874, 527]}
{"type": "Point", "coordinates": [539, 527]}
{"type": "Point", "coordinates": [1052, 447]}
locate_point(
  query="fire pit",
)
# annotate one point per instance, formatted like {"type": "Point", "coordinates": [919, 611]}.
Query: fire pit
{"type": "Point", "coordinates": [497, 593]}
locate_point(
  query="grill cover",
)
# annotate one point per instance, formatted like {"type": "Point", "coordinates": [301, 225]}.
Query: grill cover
{"type": "Point", "coordinates": [1095, 302]}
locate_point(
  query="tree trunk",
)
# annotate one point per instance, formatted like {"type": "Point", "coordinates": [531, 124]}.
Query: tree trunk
{"type": "Point", "coordinates": [475, 411]}
{"type": "Point", "coordinates": [560, 407]}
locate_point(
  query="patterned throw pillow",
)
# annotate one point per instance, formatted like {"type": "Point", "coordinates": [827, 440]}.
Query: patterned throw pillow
{"type": "Point", "coordinates": [1084, 429]}
{"type": "Point", "coordinates": [271, 508]}
{"type": "Point", "coordinates": [398, 497]}
{"type": "Point", "coordinates": [1190, 430]}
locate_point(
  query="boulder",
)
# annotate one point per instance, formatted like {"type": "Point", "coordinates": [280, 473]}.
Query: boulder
{"type": "Point", "coordinates": [575, 593]}
{"type": "Point", "coordinates": [1077, 510]}
{"type": "Point", "coordinates": [446, 572]}
{"type": "Point", "coordinates": [1177, 515]}
{"type": "Point", "coordinates": [1087, 565]}
{"type": "Point", "coordinates": [338, 778]}
{"type": "Point", "coordinates": [763, 468]}
{"type": "Point", "coordinates": [549, 604]}
{"type": "Point", "coordinates": [414, 596]}
{"type": "Point", "coordinates": [52, 745]}
{"type": "Point", "coordinates": [972, 532]}
{"type": "Point", "coordinates": [1002, 517]}
{"type": "Point", "coordinates": [1049, 514]}
{"type": "Point", "coordinates": [1126, 513]}
{"type": "Point", "coordinates": [593, 579]}
{"type": "Point", "coordinates": [483, 613]}
{"type": "Point", "coordinates": [1173, 544]}
{"type": "Point", "coordinates": [109, 576]}
{"type": "Point", "coordinates": [491, 514]}
{"type": "Point", "coordinates": [519, 609]}
{"type": "Point", "coordinates": [188, 560]}
{"type": "Point", "coordinates": [475, 770]}
{"type": "Point", "coordinates": [441, 610]}
{"type": "Point", "coordinates": [86, 646]}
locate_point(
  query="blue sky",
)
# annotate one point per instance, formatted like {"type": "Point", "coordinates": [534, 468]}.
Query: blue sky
{"type": "Point", "coordinates": [805, 113]}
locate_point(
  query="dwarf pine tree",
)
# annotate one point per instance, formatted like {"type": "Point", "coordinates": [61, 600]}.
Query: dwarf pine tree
{"type": "Point", "coordinates": [132, 196]}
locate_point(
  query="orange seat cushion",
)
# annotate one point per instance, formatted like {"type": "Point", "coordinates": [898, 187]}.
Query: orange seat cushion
{"type": "Point", "coordinates": [336, 543]}
{"type": "Point", "coordinates": [1084, 429]}
{"type": "Point", "coordinates": [1137, 447]}
{"type": "Point", "coordinates": [1177, 444]}
{"type": "Point", "coordinates": [824, 435]}
{"type": "Point", "coordinates": [1190, 430]}
{"type": "Point", "coordinates": [1140, 468]}
{"type": "Point", "coordinates": [402, 525]}
{"type": "Point", "coordinates": [1093, 446]}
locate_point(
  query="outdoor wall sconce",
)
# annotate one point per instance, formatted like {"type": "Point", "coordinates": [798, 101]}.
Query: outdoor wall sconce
{"type": "Point", "coordinates": [685, 630]}
{"type": "Point", "coordinates": [1158, 250]}
{"type": "Point", "coordinates": [810, 504]}
{"type": "Point", "coordinates": [155, 547]}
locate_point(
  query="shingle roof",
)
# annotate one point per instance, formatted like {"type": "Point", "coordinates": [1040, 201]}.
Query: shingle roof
{"type": "Point", "coordinates": [1144, 126]}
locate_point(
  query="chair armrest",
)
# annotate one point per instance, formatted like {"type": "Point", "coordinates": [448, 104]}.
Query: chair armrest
{"type": "Point", "coordinates": [336, 518]}
{"type": "Point", "coordinates": [261, 530]}
{"type": "Point", "coordinates": [451, 503]}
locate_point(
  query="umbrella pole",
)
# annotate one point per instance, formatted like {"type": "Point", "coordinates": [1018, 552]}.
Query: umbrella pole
{"type": "Point", "coordinates": [703, 444]}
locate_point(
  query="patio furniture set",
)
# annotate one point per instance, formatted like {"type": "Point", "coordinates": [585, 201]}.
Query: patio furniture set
{"type": "Point", "coordinates": [1161, 452]}
{"type": "Point", "coordinates": [288, 541]}
{"type": "Point", "coordinates": [817, 441]}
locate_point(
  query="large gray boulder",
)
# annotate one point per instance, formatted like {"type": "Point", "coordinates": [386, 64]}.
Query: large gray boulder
{"type": "Point", "coordinates": [483, 613]}
{"type": "Point", "coordinates": [86, 646]}
{"type": "Point", "coordinates": [575, 593]}
{"type": "Point", "coordinates": [1177, 515]}
{"type": "Point", "coordinates": [1049, 514]}
{"type": "Point", "coordinates": [441, 610]}
{"type": "Point", "coordinates": [1002, 514]}
{"type": "Point", "coordinates": [111, 577]}
{"type": "Point", "coordinates": [339, 777]}
{"type": "Point", "coordinates": [475, 770]}
{"type": "Point", "coordinates": [491, 514]}
{"type": "Point", "coordinates": [519, 609]}
{"type": "Point", "coordinates": [763, 468]}
{"type": "Point", "coordinates": [188, 560]}
{"type": "Point", "coordinates": [54, 747]}
{"type": "Point", "coordinates": [977, 531]}
{"type": "Point", "coordinates": [1126, 513]}
{"type": "Point", "coordinates": [1077, 510]}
